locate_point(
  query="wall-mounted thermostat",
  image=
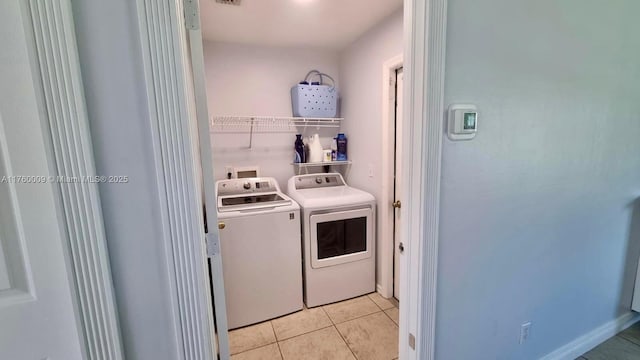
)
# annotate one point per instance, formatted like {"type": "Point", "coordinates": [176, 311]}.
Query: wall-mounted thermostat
{"type": "Point", "coordinates": [462, 122]}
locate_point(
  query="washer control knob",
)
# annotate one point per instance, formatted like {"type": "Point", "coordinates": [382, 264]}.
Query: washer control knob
{"type": "Point", "coordinates": [318, 180]}
{"type": "Point", "coordinates": [247, 185]}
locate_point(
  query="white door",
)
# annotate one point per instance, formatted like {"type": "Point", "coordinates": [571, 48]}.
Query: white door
{"type": "Point", "coordinates": [196, 60]}
{"type": "Point", "coordinates": [37, 319]}
{"type": "Point", "coordinates": [397, 184]}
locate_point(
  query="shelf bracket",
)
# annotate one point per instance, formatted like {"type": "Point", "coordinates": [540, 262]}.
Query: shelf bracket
{"type": "Point", "coordinates": [251, 134]}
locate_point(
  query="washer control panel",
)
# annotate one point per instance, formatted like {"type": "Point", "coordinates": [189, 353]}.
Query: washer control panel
{"type": "Point", "coordinates": [247, 186]}
{"type": "Point", "coordinates": [313, 181]}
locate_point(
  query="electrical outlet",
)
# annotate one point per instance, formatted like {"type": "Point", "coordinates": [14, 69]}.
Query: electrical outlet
{"type": "Point", "coordinates": [525, 331]}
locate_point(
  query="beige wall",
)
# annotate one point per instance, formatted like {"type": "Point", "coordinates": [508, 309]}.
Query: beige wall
{"type": "Point", "coordinates": [361, 86]}
{"type": "Point", "coordinates": [256, 80]}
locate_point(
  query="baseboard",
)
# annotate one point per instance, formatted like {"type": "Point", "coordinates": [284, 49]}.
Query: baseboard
{"type": "Point", "coordinates": [593, 338]}
{"type": "Point", "coordinates": [380, 290]}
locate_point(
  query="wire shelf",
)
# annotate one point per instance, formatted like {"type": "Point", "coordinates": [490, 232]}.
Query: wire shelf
{"type": "Point", "coordinates": [301, 168]}
{"type": "Point", "coordinates": [324, 163]}
{"type": "Point", "coordinates": [266, 124]}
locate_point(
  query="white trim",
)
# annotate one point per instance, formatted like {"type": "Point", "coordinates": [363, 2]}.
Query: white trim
{"type": "Point", "coordinates": [388, 157]}
{"type": "Point", "coordinates": [635, 299]}
{"type": "Point", "coordinates": [163, 38]}
{"type": "Point", "coordinates": [64, 104]}
{"type": "Point", "coordinates": [206, 162]}
{"type": "Point", "coordinates": [144, 39]}
{"type": "Point", "coordinates": [425, 34]}
{"type": "Point", "coordinates": [593, 338]}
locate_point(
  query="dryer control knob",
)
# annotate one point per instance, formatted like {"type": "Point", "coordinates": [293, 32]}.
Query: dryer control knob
{"type": "Point", "coordinates": [318, 180]}
{"type": "Point", "coordinates": [247, 185]}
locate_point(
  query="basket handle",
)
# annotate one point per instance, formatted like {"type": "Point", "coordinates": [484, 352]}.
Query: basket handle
{"type": "Point", "coordinates": [312, 72]}
{"type": "Point", "coordinates": [321, 75]}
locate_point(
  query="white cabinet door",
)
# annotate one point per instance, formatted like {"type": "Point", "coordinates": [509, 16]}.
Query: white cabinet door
{"type": "Point", "coordinates": [37, 319]}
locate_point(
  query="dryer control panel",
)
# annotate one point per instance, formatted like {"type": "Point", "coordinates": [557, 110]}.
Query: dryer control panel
{"type": "Point", "coordinates": [313, 181]}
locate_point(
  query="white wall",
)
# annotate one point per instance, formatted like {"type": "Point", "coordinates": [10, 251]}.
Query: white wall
{"type": "Point", "coordinates": [111, 61]}
{"type": "Point", "coordinates": [538, 210]}
{"type": "Point", "coordinates": [256, 80]}
{"type": "Point", "coordinates": [361, 86]}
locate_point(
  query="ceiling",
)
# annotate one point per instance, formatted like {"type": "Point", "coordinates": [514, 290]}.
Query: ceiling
{"type": "Point", "coordinates": [314, 23]}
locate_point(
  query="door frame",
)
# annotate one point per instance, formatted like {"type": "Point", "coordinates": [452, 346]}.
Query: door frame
{"type": "Point", "coordinates": [173, 113]}
{"type": "Point", "coordinates": [162, 32]}
{"type": "Point", "coordinates": [58, 81]}
{"type": "Point", "coordinates": [388, 158]}
{"type": "Point", "coordinates": [425, 28]}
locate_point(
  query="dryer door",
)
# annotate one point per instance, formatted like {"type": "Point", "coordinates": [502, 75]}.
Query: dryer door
{"type": "Point", "coordinates": [341, 237]}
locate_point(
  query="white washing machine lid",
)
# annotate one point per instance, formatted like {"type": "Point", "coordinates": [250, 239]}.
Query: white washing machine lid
{"type": "Point", "coordinates": [325, 196]}
{"type": "Point", "coordinates": [238, 195]}
{"type": "Point", "coordinates": [255, 201]}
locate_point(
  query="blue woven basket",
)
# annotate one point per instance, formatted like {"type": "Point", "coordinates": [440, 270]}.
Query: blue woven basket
{"type": "Point", "coordinates": [315, 99]}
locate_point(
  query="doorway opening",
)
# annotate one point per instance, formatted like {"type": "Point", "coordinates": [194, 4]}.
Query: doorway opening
{"type": "Point", "coordinates": [425, 25]}
{"type": "Point", "coordinates": [398, 247]}
{"type": "Point", "coordinates": [391, 203]}
{"type": "Point", "coordinates": [339, 276]}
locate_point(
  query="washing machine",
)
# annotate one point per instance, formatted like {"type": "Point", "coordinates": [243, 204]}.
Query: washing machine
{"type": "Point", "coordinates": [338, 237]}
{"type": "Point", "coordinates": [260, 249]}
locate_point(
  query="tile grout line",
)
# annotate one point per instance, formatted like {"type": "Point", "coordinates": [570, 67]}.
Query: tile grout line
{"type": "Point", "coordinates": [394, 303]}
{"type": "Point", "coordinates": [277, 342]}
{"type": "Point", "coordinates": [346, 343]}
{"type": "Point", "coordinates": [389, 316]}
{"type": "Point", "coordinates": [358, 317]}
{"type": "Point", "coordinates": [333, 324]}
{"type": "Point", "coordinates": [615, 336]}
{"type": "Point", "coordinates": [260, 346]}
{"type": "Point", "coordinates": [339, 334]}
{"type": "Point", "coordinates": [379, 307]}
{"type": "Point", "coordinates": [344, 322]}
{"type": "Point", "coordinates": [627, 340]}
{"type": "Point", "coordinates": [385, 310]}
{"type": "Point", "coordinates": [280, 350]}
{"type": "Point", "coordinates": [326, 313]}
{"type": "Point", "coordinates": [304, 333]}
{"type": "Point", "coordinates": [630, 339]}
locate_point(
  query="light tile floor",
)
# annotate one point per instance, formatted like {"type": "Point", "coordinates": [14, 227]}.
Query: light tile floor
{"type": "Point", "coordinates": [624, 346]}
{"type": "Point", "coordinates": [363, 328]}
